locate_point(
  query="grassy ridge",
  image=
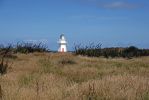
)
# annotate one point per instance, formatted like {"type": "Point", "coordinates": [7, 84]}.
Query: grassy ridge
{"type": "Point", "coordinates": [64, 76]}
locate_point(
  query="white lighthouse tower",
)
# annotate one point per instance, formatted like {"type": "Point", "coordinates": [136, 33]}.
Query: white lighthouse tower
{"type": "Point", "coordinates": [62, 44]}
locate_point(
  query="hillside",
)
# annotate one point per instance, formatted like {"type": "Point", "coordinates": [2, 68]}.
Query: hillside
{"type": "Point", "coordinates": [55, 76]}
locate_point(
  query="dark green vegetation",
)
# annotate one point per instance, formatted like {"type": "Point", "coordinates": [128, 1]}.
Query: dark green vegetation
{"type": "Point", "coordinates": [22, 47]}
{"type": "Point", "coordinates": [4, 54]}
{"type": "Point", "coordinates": [93, 50]}
{"type": "Point", "coordinates": [30, 48]}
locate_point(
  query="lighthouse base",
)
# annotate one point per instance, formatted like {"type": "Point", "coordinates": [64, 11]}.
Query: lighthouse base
{"type": "Point", "coordinates": [62, 48]}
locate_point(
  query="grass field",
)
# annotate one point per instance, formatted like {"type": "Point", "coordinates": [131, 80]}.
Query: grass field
{"type": "Point", "coordinates": [55, 76]}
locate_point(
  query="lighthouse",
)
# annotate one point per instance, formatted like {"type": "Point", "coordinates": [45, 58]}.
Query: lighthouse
{"type": "Point", "coordinates": [62, 44]}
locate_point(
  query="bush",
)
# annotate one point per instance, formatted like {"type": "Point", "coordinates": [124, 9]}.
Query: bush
{"type": "Point", "coordinates": [30, 48]}
{"type": "Point", "coordinates": [22, 47]}
{"type": "Point", "coordinates": [93, 50]}
{"type": "Point", "coordinates": [4, 63]}
{"type": "Point", "coordinates": [1, 94]}
{"type": "Point", "coordinates": [3, 67]}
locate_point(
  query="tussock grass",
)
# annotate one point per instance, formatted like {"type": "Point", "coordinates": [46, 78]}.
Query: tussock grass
{"type": "Point", "coordinates": [64, 76]}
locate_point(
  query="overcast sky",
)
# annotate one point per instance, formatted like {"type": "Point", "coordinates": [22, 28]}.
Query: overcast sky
{"type": "Point", "coordinates": [110, 22]}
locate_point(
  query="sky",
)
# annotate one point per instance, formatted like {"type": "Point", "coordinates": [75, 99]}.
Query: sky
{"type": "Point", "coordinates": [110, 22]}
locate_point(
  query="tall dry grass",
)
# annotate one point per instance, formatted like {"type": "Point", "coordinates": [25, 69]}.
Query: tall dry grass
{"type": "Point", "coordinates": [60, 76]}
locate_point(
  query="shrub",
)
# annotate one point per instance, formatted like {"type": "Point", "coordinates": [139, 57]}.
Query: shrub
{"type": "Point", "coordinates": [4, 63]}
{"type": "Point", "coordinates": [1, 94]}
{"type": "Point", "coordinates": [93, 50]}
{"type": "Point", "coordinates": [30, 48]}
{"type": "Point", "coordinates": [3, 67]}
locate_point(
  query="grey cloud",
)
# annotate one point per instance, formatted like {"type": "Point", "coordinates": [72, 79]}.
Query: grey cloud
{"type": "Point", "coordinates": [110, 4]}
{"type": "Point", "coordinates": [119, 5]}
{"type": "Point", "coordinates": [44, 41]}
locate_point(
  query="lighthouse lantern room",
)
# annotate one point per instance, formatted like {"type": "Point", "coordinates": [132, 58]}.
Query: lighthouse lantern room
{"type": "Point", "coordinates": [62, 44]}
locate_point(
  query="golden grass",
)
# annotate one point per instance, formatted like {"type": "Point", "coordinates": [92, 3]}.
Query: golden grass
{"type": "Point", "coordinates": [64, 76]}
